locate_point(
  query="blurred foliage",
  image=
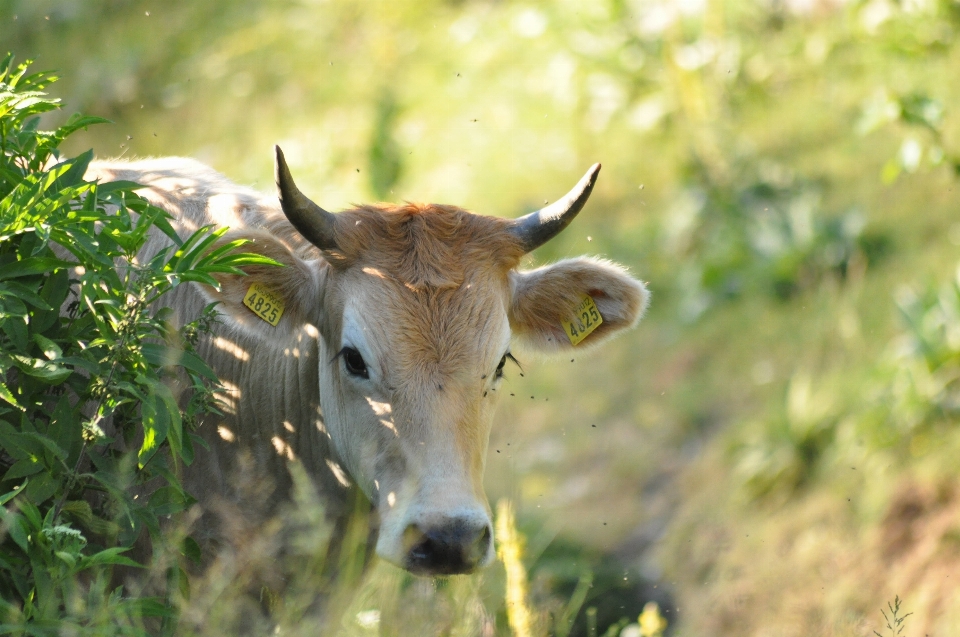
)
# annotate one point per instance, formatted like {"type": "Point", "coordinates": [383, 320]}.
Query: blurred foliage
{"type": "Point", "coordinates": [767, 235]}
{"type": "Point", "coordinates": [781, 454]}
{"type": "Point", "coordinates": [385, 165]}
{"type": "Point", "coordinates": [607, 80]}
{"type": "Point", "coordinates": [569, 578]}
{"type": "Point", "coordinates": [922, 390]}
{"type": "Point", "coordinates": [87, 421]}
{"type": "Point", "coordinates": [915, 111]}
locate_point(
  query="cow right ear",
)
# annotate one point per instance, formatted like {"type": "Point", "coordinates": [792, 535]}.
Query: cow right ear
{"type": "Point", "coordinates": [289, 295]}
{"type": "Point", "coordinates": [547, 303]}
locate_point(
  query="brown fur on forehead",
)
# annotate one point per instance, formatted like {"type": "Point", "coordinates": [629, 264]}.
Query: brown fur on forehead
{"type": "Point", "coordinates": [423, 246]}
{"type": "Point", "coordinates": [430, 336]}
{"type": "Point", "coordinates": [441, 335]}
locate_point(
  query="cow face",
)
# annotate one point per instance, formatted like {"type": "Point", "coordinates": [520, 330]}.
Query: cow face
{"type": "Point", "coordinates": [409, 392]}
{"type": "Point", "coordinates": [417, 309]}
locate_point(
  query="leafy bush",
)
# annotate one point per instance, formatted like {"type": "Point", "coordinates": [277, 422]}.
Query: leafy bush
{"type": "Point", "coordinates": [919, 382]}
{"type": "Point", "coordinates": [589, 586]}
{"type": "Point", "coordinates": [914, 112]}
{"type": "Point", "coordinates": [761, 230]}
{"type": "Point", "coordinates": [91, 433]}
{"type": "Point", "coordinates": [914, 392]}
{"type": "Point", "coordinates": [778, 456]}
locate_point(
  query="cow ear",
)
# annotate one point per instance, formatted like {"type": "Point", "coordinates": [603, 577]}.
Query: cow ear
{"type": "Point", "coordinates": [297, 284]}
{"type": "Point", "coordinates": [545, 298]}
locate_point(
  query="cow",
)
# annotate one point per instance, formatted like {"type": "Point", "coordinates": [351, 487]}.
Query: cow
{"type": "Point", "coordinates": [375, 355]}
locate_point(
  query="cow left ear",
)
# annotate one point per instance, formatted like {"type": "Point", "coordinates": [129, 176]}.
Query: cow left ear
{"type": "Point", "coordinates": [291, 294]}
{"type": "Point", "coordinates": [546, 298]}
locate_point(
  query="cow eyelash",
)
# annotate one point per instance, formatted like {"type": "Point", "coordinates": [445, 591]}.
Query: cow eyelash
{"type": "Point", "coordinates": [354, 362]}
{"type": "Point", "coordinates": [503, 361]}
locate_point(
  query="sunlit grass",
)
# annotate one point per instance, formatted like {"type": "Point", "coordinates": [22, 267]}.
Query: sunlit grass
{"type": "Point", "coordinates": [383, 600]}
{"type": "Point", "coordinates": [510, 552]}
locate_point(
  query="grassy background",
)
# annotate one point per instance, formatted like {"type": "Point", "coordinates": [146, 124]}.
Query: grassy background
{"type": "Point", "coordinates": [761, 450]}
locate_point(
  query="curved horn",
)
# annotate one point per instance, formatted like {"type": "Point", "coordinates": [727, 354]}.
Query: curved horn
{"type": "Point", "coordinates": [538, 227]}
{"type": "Point", "coordinates": [310, 220]}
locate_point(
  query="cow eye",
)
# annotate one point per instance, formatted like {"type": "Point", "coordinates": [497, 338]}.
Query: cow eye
{"type": "Point", "coordinates": [354, 362]}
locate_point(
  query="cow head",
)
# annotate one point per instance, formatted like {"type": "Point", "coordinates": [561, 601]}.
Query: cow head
{"type": "Point", "coordinates": [417, 308]}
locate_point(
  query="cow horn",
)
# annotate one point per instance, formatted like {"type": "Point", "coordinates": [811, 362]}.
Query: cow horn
{"type": "Point", "coordinates": [538, 227]}
{"type": "Point", "coordinates": [310, 220]}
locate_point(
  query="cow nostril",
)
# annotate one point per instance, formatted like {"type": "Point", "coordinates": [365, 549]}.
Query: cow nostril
{"type": "Point", "coordinates": [457, 546]}
{"type": "Point", "coordinates": [482, 544]}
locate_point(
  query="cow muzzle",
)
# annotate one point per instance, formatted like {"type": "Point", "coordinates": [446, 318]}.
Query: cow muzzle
{"type": "Point", "coordinates": [451, 546]}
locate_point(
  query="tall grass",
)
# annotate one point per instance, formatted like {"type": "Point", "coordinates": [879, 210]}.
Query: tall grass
{"type": "Point", "coordinates": [510, 552]}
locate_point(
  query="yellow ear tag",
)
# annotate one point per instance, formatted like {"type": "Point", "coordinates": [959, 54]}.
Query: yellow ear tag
{"type": "Point", "coordinates": [264, 303]}
{"type": "Point", "coordinates": [587, 319]}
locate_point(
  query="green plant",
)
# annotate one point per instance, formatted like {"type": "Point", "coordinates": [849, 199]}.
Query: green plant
{"type": "Point", "coordinates": [919, 111]}
{"type": "Point", "coordinates": [914, 112]}
{"type": "Point", "coordinates": [917, 386]}
{"type": "Point", "coordinates": [932, 324]}
{"type": "Point", "coordinates": [895, 620]}
{"type": "Point", "coordinates": [91, 433]}
{"type": "Point", "coordinates": [760, 229]}
{"type": "Point", "coordinates": [777, 456]}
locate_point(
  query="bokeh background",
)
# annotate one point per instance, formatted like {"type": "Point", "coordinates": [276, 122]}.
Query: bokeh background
{"type": "Point", "coordinates": [775, 450]}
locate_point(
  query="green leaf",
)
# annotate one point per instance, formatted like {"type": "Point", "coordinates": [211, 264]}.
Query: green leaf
{"type": "Point", "coordinates": [151, 607]}
{"type": "Point", "coordinates": [50, 349]}
{"type": "Point", "coordinates": [31, 265]}
{"type": "Point", "coordinates": [41, 487]}
{"type": "Point", "coordinates": [25, 293]}
{"type": "Point", "coordinates": [122, 186]}
{"type": "Point", "coordinates": [110, 556]}
{"type": "Point", "coordinates": [75, 168]}
{"type": "Point", "coordinates": [13, 443]}
{"type": "Point", "coordinates": [48, 371]}
{"type": "Point", "coordinates": [65, 429]}
{"type": "Point", "coordinates": [78, 509]}
{"type": "Point", "coordinates": [68, 558]}
{"type": "Point", "coordinates": [197, 276]}
{"type": "Point", "coordinates": [23, 468]}
{"type": "Point", "coordinates": [155, 426]}
{"type": "Point", "coordinates": [16, 329]}
{"type": "Point", "coordinates": [191, 550]}
{"type": "Point", "coordinates": [56, 288]}
{"type": "Point", "coordinates": [76, 122]}
{"type": "Point", "coordinates": [921, 110]}
{"type": "Point", "coordinates": [6, 497]}
{"type": "Point", "coordinates": [102, 527]}
{"type": "Point", "coordinates": [175, 419]}
{"type": "Point", "coordinates": [197, 440]}
{"type": "Point", "coordinates": [186, 451]}
{"type": "Point", "coordinates": [12, 307]}
{"type": "Point", "coordinates": [32, 514]}
{"type": "Point", "coordinates": [183, 582]}
{"type": "Point", "coordinates": [249, 258]}
{"type": "Point", "coordinates": [168, 500]}
{"type": "Point", "coordinates": [9, 397]}
{"type": "Point", "coordinates": [163, 355]}
{"type": "Point", "coordinates": [45, 442]}
{"type": "Point", "coordinates": [17, 528]}
{"type": "Point", "coordinates": [88, 366]}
